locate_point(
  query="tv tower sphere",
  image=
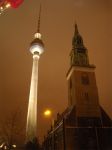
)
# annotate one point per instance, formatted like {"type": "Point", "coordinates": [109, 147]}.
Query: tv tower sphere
{"type": "Point", "coordinates": [37, 45]}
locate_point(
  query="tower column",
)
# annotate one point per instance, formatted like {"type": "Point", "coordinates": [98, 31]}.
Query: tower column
{"type": "Point", "coordinates": [32, 106]}
{"type": "Point", "coordinates": [36, 48]}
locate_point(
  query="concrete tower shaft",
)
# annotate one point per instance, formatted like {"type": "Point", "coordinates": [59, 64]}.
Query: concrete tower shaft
{"type": "Point", "coordinates": [31, 129]}
{"type": "Point", "coordinates": [36, 48]}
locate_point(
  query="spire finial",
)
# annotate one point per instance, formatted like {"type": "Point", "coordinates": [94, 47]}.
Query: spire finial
{"type": "Point", "coordinates": [38, 26]}
{"type": "Point", "coordinates": [76, 29]}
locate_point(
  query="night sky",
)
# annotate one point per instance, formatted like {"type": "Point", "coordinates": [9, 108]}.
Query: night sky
{"type": "Point", "coordinates": [17, 27]}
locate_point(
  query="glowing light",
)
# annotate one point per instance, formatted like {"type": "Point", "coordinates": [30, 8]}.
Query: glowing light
{"type": "Point", "coordinates": [1, 145]}
{"type": "Point", "coordinates": [14, 146]}
{"type": "Point", "coordinates": [36, 48]}
{"type": "Point", "coordinates": [4, 7]}
{"type": "Point", "coordinates": [1, 8]}
{"type": "Point", "coordinates": [15, 3]}
{"type": "Point", "coordinates": [47, 113]}
{"type": "Point", "coordinates": [5, 4]}
{"type": "Point", "coordinates": [8, 5]}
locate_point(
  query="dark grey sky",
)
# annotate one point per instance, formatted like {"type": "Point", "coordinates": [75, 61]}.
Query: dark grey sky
{"type": "Point", "coordinates": [94, 19]}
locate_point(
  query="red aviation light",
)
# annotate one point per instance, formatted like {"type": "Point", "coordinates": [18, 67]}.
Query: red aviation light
{"type": "Point", "coordinates": [15, 3]}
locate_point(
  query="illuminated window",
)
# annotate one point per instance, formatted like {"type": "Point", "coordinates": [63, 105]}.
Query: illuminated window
{"type": "Point", "coordinates": [85, 79]}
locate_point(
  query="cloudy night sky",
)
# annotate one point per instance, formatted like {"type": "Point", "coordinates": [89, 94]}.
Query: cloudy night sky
{"type": "Point", "coordinates": [17, 27]}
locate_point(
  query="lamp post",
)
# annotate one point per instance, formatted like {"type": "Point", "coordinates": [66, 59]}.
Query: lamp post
{"type": "Point", "coordinates": [48, 114]}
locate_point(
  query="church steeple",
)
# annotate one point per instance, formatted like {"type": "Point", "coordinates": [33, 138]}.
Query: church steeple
{"type": "Point", "coordinates": [82, 87]}
{"type": "Point", "coordinates": [76, 29]}
{"type": "Point", "coordinates": [79, 56]}
{"type": "Point", "coordinates": [77, 41]}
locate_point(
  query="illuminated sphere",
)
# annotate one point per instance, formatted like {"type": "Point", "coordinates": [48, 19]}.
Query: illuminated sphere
{"type": "Point", "coordinates": [37, 46]}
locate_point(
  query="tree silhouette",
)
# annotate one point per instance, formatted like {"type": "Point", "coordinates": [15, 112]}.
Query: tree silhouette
{"type": "Point", "coordinates": [11, 130]}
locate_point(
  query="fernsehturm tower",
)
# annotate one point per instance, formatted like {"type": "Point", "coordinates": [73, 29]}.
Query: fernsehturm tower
{"type": "Point", "coordinates": [36, 48]}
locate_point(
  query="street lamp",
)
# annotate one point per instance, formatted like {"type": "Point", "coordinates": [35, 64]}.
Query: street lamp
{"type": "Point", "coordinates": [47, 113]}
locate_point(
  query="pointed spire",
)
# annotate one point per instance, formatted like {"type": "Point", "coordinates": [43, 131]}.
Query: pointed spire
{"type": "Point", "coordinates": [39, 17]}
{"type": "Point", "coordinates": [77, 40]}
{"type": "Point", "coordinates": [78, 48]}
{"type": "Point", "coordinates": [76, 29]}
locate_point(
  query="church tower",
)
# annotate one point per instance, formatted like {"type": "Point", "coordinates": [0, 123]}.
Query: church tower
{"type": "Point", "coordinates": [82, 88]}
{"type": "Point", "coordinates": [84, 125]}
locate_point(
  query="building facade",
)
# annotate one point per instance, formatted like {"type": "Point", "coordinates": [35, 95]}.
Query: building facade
{"type": "Point", "coordinates": [84, 125]}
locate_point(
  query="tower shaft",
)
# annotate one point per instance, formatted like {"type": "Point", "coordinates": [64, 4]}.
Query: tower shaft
{"type": "Point", "coordinates": [32, 106]}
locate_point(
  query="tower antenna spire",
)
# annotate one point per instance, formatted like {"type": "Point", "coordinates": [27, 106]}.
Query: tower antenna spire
{"type": "Point", "coordinates": [39, 17]}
